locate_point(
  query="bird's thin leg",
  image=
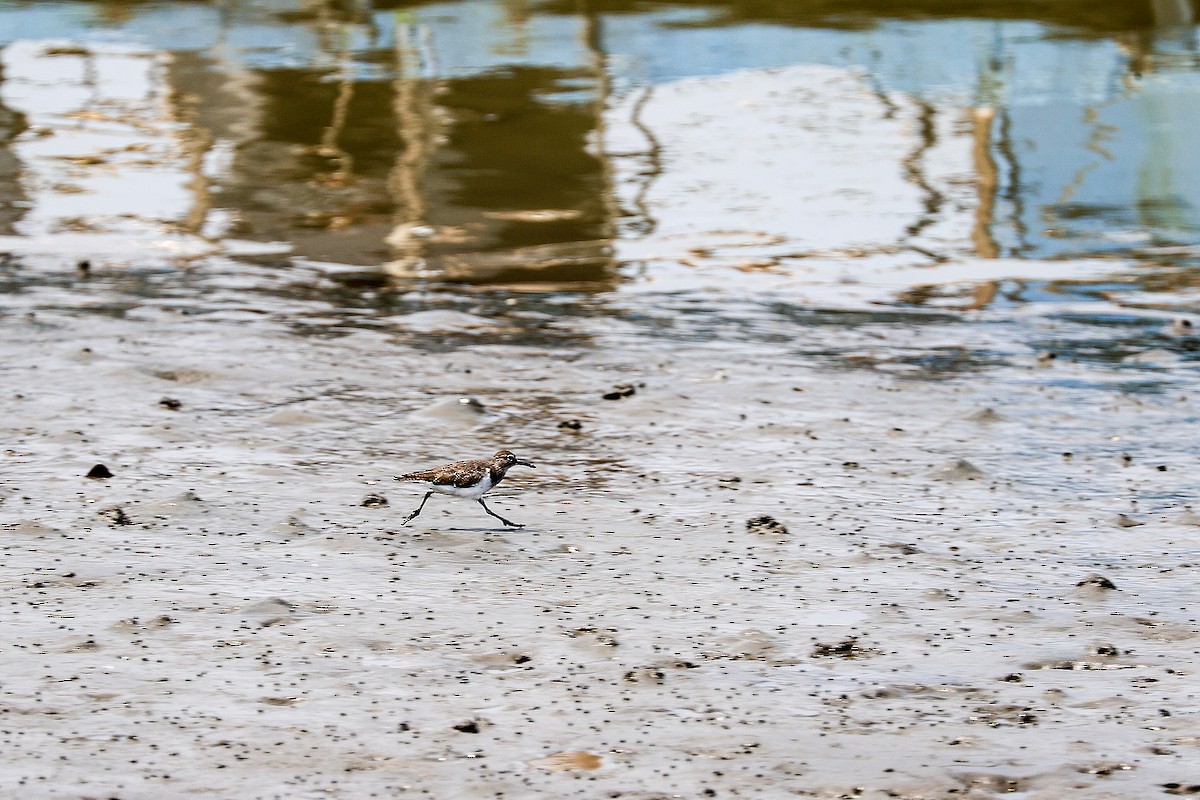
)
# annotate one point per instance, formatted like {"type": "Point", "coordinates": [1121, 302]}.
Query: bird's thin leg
{"type": "Point", "coordinates": [413, 515]}
{"type": "Point", "coordinates": [497, 516]}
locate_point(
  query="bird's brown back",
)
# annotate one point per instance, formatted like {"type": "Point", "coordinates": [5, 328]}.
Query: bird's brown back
{"type": "Point", "coordinates": [459, 473]}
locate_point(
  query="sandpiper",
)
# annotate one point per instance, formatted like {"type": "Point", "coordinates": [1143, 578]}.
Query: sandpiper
{"type": "Point", "coordinates": [470, 479]}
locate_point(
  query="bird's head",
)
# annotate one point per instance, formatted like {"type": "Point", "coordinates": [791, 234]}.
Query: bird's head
{"type": "Point", "coordinates": [505, 459]}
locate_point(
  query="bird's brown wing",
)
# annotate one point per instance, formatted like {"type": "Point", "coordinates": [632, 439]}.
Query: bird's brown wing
{"type": "Point", "coordinates": [459, 473]}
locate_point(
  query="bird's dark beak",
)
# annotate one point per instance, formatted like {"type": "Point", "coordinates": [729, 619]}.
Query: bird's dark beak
{"type": "Point", "coordinates": [525, 463]}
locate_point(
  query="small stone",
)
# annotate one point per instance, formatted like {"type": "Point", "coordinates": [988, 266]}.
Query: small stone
{"type": "Point", "coordinates": [116, 516]}
{"type": "Point", "coordinates": [171, 403]}
{"type": "Point", "coordinates": [99, 472]}
{"type": "Point", "coordinates": [619, 391]}
{"type": "Point", "coordinates": [1104, 768]}
{"type": "Point", "coordinates": [570, 425]}
{"type": "Point", "coordinates": [1099, 581]}
{"type": "Point", "coordinates": [471, 726]}
{"type": "Point", "coordinates": [847, 648]}
{"type": "Point", "coordinates": [374, 500]}
{"type": "Point", "coordinates": [765, 524]}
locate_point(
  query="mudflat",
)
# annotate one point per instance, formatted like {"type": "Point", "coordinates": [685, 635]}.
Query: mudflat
{"type": "Point", "coordinates": [766, 556]}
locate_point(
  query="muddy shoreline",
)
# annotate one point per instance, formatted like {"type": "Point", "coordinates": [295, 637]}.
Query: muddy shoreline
{"type": "Point", "coordinates": [949, 605]}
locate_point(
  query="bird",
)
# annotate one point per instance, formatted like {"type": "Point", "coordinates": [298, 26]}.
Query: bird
{"type": "Point", "coordinates": [470, 479]}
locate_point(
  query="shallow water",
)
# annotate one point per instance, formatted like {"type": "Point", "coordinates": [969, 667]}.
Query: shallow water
{"type": "Point", "coordinates": [915, 282]}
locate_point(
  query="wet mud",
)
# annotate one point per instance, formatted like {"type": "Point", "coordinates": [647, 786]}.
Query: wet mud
{"type": "Point", "coordinates": [791, 563]}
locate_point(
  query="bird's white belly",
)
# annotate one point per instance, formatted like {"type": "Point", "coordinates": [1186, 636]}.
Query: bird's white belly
{"type": "Point", "coordinates": [469, 492]}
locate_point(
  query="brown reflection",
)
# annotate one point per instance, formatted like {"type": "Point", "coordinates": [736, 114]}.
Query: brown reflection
{"type": "Point", "coordinates": [1106, 16]}
{"type": "Point", "coordinates": [516, 186]}
{"type": "Point", "coordinates": [986, 180]}
{"type": "Point", "coordinates": [1014, 194]}
{"type": "Point", "coordinates": [983, 294]}
{"type": "Point", "coordinates": [642, 220]}
{"type": "Point", "coordinates": [218, 102]}
{"type": "Point", "coordinates": [927, 139]}
{"type": "Point", "coordinates": [306, 159]}
{"type": "Point", "coordinates": [12, 195]}
{"type": "Point", "coordinates": [1173, 13]}
{"type": "Point", "coordinates": [417, 127]}
{"type": "Point", "coordinates": [492, 176]}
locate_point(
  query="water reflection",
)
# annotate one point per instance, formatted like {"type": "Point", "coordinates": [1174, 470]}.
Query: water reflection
{"type": "Point", "coordinates": [820, 146]}
{"type": "Point", "coordinates": [12, 195]}
{"type": "Point", "coordinates": [1079, 15]}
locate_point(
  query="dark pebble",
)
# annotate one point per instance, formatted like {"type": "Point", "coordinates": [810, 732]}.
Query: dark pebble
{"type": "Point", "coordinates": [1099, 581]}
{"type": "Point", "coordinates": [847, 648]}
{"type": "Point", "coordinates": [467, 727]}
{"type": "Point", "coordinates": [570, 425]}
{"type": "Point", "coordinates": [765, 524]}
{"type": "Point", "coordinates": [620, 391]}
{"type": "Point", "coordinates": [374, 501]}
{"type": "Point", "coordinates": [99, 472]}
{"type": "Point", "coordinates": [117, 516]}
{"type": "Point", "coordinates": [171, 403]}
